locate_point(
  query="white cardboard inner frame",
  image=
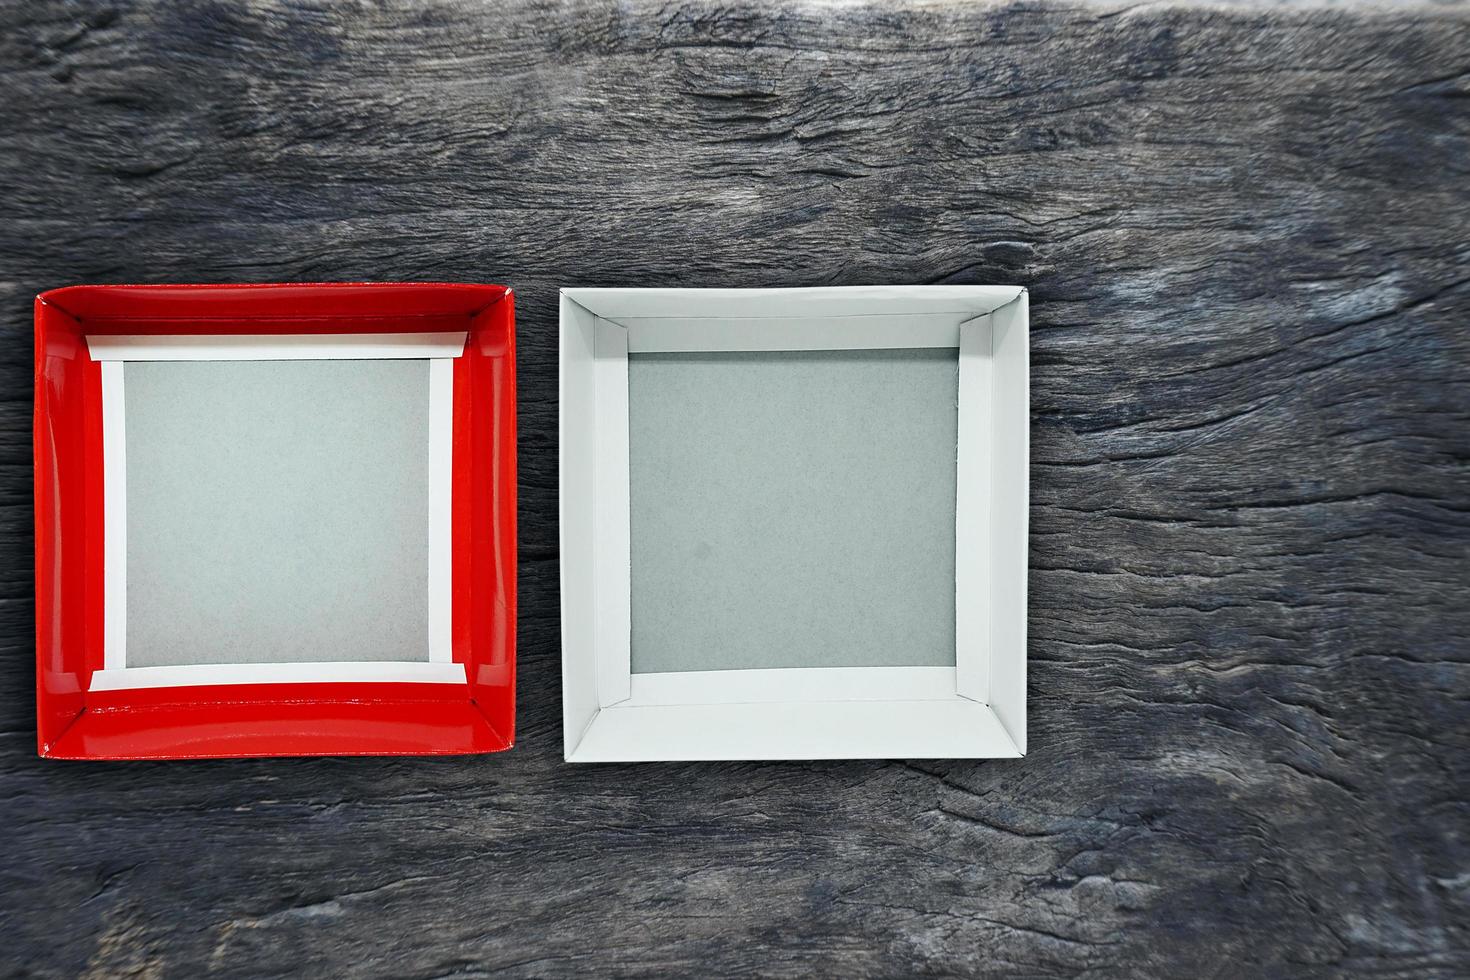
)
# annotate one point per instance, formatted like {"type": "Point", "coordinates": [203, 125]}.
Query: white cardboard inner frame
{"type": "Point", "coordinates": [438, 349]}
{"type": "Point", "coordinates": [976, 709]}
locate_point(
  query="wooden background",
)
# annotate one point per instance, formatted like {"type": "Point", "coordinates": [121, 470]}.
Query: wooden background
{"type": "Point", "coordinates": [1246, 232]}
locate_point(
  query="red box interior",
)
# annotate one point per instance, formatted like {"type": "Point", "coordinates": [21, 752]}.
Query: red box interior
{"type": "Point", "coordinates": [272, 719]}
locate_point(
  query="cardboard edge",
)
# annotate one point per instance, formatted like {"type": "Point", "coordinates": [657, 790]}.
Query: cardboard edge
{"type": "Point", "coordinates": [114, 516]}
{"type": "Point", "coordinates": [440, 576]}
{"type": "Point", "coordinates": [280, 729]}
{"type": "Point", "coordinates": [1010, 541]}
{"type": "Point", "coordinates": [508, 738]}
{"type": "Point", "coordinates": [953, 729]}
{"type": "Point", "coordinates": [108, 348]}
{"type": "Point", "coordinates": [575, 507]}
{"type": "Point", "coordinates": [321, 672]}
{"type": "Point", "coordinates": [693, 303]}
{"type": "Point", "coordinates": [612, 521]}
{"type": "Point", "coordinates": [973, 512]}
{"type": "Point", "coordinates": [478, 297]}
{"type": "Point", "coordinates": [53, 718]}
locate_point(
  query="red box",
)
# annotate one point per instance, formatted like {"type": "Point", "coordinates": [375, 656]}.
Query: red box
{"type": "Point", "coordinates": [273, 719]}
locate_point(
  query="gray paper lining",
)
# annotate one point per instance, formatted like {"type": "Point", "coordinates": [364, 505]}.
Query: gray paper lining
{"type": "Point", "coordinates": [792, 509]}
{"type": "Point", "coordinates": [277, 511]}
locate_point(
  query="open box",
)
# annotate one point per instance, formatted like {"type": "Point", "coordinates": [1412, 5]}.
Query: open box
{"type": "Point", "coordinates": [275, 520]}
{"type": "Point", "coordinates": [794, 522]}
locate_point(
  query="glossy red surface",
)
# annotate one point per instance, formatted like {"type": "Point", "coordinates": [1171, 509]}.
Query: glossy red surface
{"type": "Point", "coordinates": [233, 728]}
{"type": "Point", "coordinates": [272, 719]}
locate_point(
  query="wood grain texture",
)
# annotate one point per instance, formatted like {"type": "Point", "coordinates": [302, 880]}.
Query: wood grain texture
{"type": "Point", "coordinates": [1246, 233]}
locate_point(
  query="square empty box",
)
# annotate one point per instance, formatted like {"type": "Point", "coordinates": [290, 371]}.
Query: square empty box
{"type": "Point", "coordinates": [275, 520]}
{"type": "Point", "coordinates": [793, 522]}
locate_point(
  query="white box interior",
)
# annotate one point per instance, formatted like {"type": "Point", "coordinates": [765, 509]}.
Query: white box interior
{"type": "Point", "coordinates": [792, 508]}
{"type": "Point", "coordinates": [741, 577]}
{"type": "Point", "coordinates": [276, 509]}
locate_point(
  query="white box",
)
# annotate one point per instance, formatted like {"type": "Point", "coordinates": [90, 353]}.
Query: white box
{"type": "Point", "coordinates": [804, 701]}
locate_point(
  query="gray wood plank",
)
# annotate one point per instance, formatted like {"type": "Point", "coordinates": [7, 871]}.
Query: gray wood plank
{"type": "Point", "coordinates": [1245, 231]}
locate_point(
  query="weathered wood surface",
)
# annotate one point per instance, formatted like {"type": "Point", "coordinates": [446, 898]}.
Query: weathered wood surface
{"type": "Point", "coordinates": [1246, 234]}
